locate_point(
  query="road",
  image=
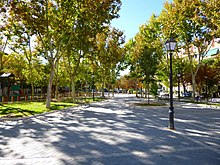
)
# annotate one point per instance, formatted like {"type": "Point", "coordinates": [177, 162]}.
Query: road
{"type": "Point", "coordinates": [114, 132]}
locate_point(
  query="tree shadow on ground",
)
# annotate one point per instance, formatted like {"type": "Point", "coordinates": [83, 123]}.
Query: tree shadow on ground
{"type": "Point", "coordinates": [13, 112]}
{"type": "Point", "coordinates": [105, 133]}
{"type": "Point", "coordinates": [16, 112]}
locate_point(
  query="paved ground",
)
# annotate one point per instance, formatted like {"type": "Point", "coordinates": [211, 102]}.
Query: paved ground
{"type": "Point", "coordinates": [114, 132]}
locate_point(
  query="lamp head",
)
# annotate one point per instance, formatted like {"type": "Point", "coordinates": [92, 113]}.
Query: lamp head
{"type": "Point", "coordinates": [170, 44]}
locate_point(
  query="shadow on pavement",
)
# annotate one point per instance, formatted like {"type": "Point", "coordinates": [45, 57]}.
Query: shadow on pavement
{"type": "Point", "coordinates": [108, 133]}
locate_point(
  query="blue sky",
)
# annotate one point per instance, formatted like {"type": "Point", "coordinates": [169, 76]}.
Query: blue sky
{"type": "Point", "coordinates": [134, 13]}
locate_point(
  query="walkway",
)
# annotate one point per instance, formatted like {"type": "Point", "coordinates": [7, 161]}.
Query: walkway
{"type": "Point", "coordinates": [114, 132]}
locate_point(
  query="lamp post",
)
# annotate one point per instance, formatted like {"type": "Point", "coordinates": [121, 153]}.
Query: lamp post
{"type": "Point", "coordinates": [93, 98]}
{"type": "Point", "coordinates": [178, 76]}
{"type": "Point", "coordinates": [170, 47]}
{"type": "Point", "coordinates": [206, 88]}
{"type": "Point", "coordinates": [218, 89]}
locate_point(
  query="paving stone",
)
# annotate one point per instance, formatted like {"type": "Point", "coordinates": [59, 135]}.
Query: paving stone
{"type": "Point", "coordinates": [113, 132]}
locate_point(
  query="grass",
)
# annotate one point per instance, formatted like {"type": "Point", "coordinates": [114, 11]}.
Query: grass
{"type": "Point", "coordinates": [22, 109]}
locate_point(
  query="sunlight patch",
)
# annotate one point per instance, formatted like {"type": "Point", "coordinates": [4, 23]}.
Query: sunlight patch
{"type": "Point", "coordinates": [140, 154]}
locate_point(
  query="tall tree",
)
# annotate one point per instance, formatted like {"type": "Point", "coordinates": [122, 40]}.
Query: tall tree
{"type": "Point", "coordinates": [109, 54]}
{"type": "Point", "coordinates": [21, 42]}
{"type": "Point", "coordinates": [55, 24]}
{"type": "Point", "coordinates": [188, 21]}
{"type": "Point", "coordinates": [147, 50]}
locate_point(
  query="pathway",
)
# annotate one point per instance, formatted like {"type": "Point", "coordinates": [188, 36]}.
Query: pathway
{"type": "Point", "coordinates": [113, 132]}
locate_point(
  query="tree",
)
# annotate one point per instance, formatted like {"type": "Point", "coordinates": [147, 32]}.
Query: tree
{"type": "Point", "coordinates": [44, 19]}
{"type": "Point", "coordinates": [87, 24]}
{"type": "Point", "coordinates": [109, 54]}
{"type": "Point", "coordinates": [15, 64]}
{"type": "Point", "coordinates": [55, 23]}
{"type": "Point", "coordinates": [188, 21]}
{"type": "Point", "coordinates": [4, 30]}
{"type": "Point", "coordinates": [131, 56]}
{"type": "Point", "coordinates": [147, 51]}
{"type": "Point", "coordinates": [21, 42]}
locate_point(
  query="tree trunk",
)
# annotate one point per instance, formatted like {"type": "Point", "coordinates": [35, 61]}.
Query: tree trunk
{"type": "Point", "coordinates": [145, 92]}
{"type": "Point", "coordinates": [113, 90]}
{"type": "Point", "coordinates": [184, 87]}
{"type": "Point", "coordinates": [141, 93]}
{"type": "Point", "coordinates": [49, 88]}
{"type": "Point", "coordinates": [56, 91]}
{"type": "Point", "coordinates": [73, 90]}
{"type": "Point", "coordinates": [56, 83]}
{"type": "Point", "coordinates": [32, 91]}
{"type": "Point", "coordinates": [194, 85]}
{"type": "Point", "coordinates": [148, 93]}
{"type": "Point", "coordinates": [41, 91]}
{"type": "Point", "coordinates": [108, 91]}
{"type": "Point", "coordinates": [1, 62]}
{"type": "Point", "coordinates": [136, 90]}
{"type": "Point", "coordinates": [86, 89]}
{"type": "Point", "coordinates": [103, 84]}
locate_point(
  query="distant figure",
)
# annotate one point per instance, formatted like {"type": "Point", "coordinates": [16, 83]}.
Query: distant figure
{"type": "Point", "coordinates": [197, 96]}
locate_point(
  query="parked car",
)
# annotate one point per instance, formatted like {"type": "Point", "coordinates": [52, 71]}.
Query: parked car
{"type": "Point", "coordinates": [116, 91]}
{"type": "Point", "coordinates": [187, 94]}
{"type": "Point", "coordinates": [164, 94]}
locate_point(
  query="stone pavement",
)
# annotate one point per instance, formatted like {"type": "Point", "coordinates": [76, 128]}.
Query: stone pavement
{"type": "Point", "coordinates": [114, 132]}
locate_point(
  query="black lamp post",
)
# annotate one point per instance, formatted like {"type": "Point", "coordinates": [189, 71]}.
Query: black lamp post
{"type": "Point", "coordinates": [93, 98]}
{"type": "Point", "coordinates": [170, 47]}
{"type": "Point", "coordinates": [178, 76]}
{"type": "Point", "coordinates": [206, 88]}
{"type": "Point", "coordinates": [218, 89]}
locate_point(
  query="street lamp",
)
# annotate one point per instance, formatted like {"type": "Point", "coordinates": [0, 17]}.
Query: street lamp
{"type": "Point", "coordinates": [93, 87]}
{"type": "Point", "coordinates": [170, 47]}
{"type": "Point", "coordinates": [178, 76]}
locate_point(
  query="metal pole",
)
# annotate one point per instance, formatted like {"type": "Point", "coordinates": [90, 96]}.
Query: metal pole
{"type": "Point", "coordinates": [178, 88]}
{"type": "Point", "coordinates": [206, 88]}
{"type": "Point", "coordinates": [171, 111]}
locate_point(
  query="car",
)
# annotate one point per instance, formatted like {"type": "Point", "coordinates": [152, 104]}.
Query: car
{"type": "Point", "coordinates": [187, 94]}
{"type": "Point", "coordinates": [116, 91]}
{"type": "Point", "coordinates": [120, 91]}
{"type": "Point", "coordinates": [164, 94]}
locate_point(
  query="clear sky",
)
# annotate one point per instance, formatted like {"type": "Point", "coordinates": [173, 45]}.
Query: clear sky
{"type": "Point", "coordinates": [134, 13]}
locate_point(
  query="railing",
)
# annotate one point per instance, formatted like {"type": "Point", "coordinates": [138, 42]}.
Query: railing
{"type": "Point", "coordinates": [17, 98]}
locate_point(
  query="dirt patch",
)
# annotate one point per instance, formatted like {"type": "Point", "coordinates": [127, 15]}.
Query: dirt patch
{"type": "Point", "coordinates": [150, 104]}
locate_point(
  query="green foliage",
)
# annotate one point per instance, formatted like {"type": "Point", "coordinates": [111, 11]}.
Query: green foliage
{"type": "Point", "coordinates": [154, 89]}
{"type": "Point", "coordinates": [191, 23]}
{"type": "Point", "coordinates": [61, 29]}
{"type": "Point", "coordinates": [76, 40]}
{"type": "Point", "coordinates": [145, 51]}
{"type": "Point", "coordinates": [109, 54]}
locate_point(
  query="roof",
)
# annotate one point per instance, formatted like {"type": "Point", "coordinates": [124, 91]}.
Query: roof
{"type": "Point", "coordinates": [5, 75]}
{"type": "Point", "coordinates": [212, 52]}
